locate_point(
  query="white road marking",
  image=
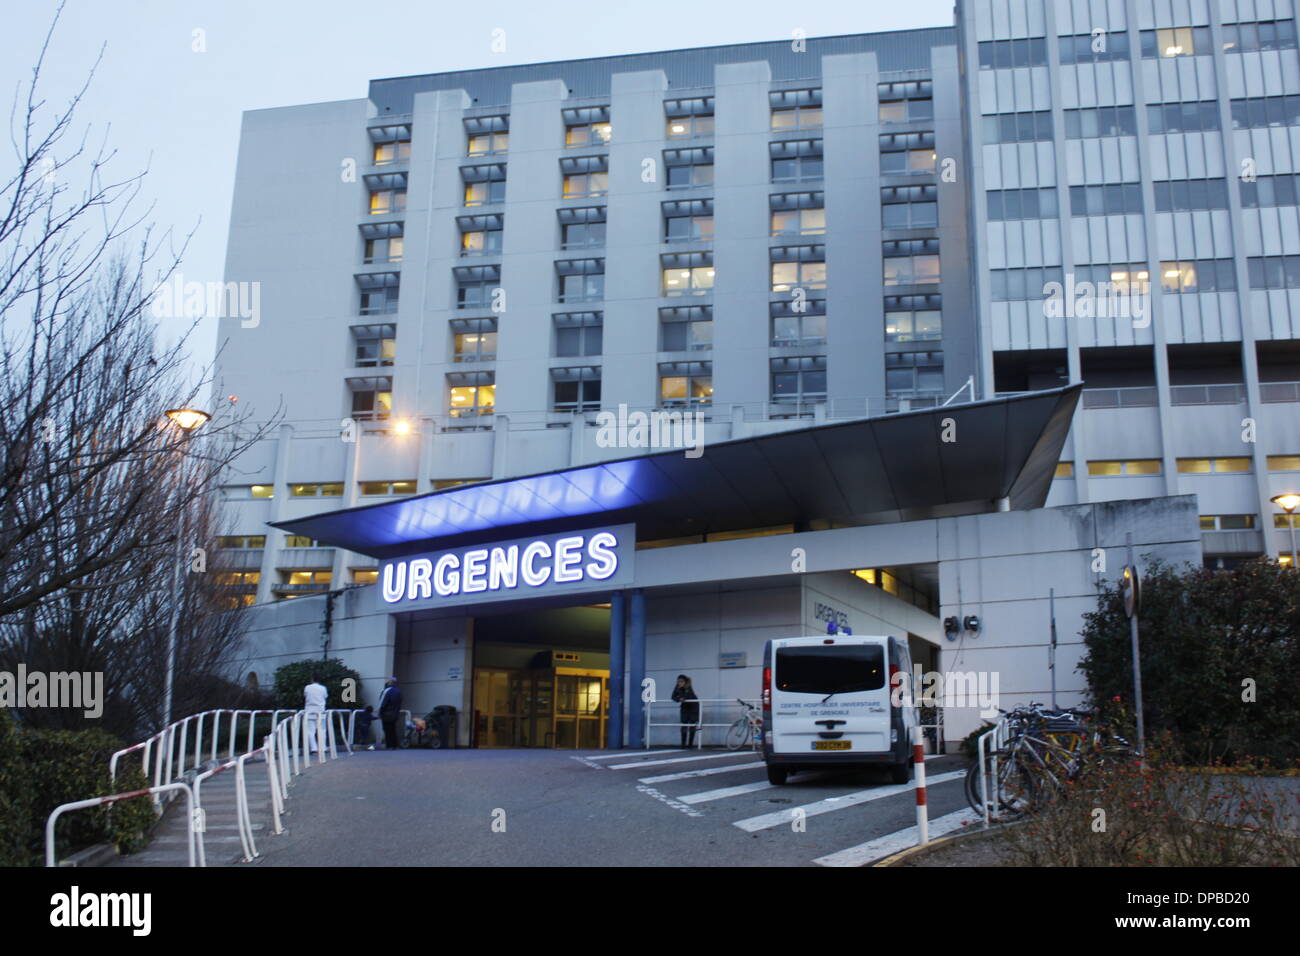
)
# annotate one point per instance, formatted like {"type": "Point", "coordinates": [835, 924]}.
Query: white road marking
{"type": "Point", "coordinates": [635, 753]}
{"type": "Point", "coordinates": [688, 774]}
{"type": "Point", "coordinates": [782, 817]}
{"type": "Point", "coordinates": [693, 798]}
{"type": "Point", "coordinates": [583, 760]}
{"type": "Point", "coordinates": [664, 798]}
{"type": "Point", "coordinates": [651, 763]}
{"type": "Point", "coordinates": [884, 846]}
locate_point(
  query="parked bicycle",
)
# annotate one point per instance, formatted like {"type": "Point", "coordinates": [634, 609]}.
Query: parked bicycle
{"type": "Point", "coordinates": [421, 733]}
{"type": "Point", "coordinates": [746, 729]}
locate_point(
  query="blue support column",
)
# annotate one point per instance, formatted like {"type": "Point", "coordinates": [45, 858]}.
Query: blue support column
{"type": "Point", "coordinates": [617, 663]}
{"type": "Point", "coordinates": [636, 669]}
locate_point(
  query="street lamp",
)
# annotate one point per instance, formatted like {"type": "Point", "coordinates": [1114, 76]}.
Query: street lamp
{"type": "Point", "coordinates": [1289, 502]}
{"type": "Point", "coordinates": [187, 420]}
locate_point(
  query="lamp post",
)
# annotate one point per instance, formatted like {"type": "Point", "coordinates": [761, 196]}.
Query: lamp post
{"type": "Point", "coordinates": [187, 420]}
{"type": "Point", "coordinates": [1289, 502]}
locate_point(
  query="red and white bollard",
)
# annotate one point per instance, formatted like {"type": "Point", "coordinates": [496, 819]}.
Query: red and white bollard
{"type": "Point", "coordinates": [918, 780]}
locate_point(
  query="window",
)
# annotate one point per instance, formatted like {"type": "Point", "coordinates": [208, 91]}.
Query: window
{"type": "Point", "coordinates": [909, 374]}
{"type": "Point", "coordinates": [383, 242]}
{"type": "Point", "coordinates": [1227, 522]}
{"type": "Point", "coordinates": [686, 328]}
{"type": "Point", "coordinates": [684, 384]}
{"type": "Point", "coordinates": [1183, 117]}
{"type": "Point", "coordinates": [688, 168]}
{"type": "Point", "coordinates": [918, 326]}
{"type": "Point", "coordinates": [374, 345]}
{"type": "Point", "coordinates": [907, 153]}
{"type": "Point", "coordinates": [300, 541]}
{"type": "Point", "coordinates": [1275, 463]}
{"type": "Point", "coordinates": [372, 398]}
{"type": "Point", "coordinates": [480, 235]}
{"type": "Point", "coordinates": [1118, 278]}
{"type": "Point", "coordinates": [385, 202]}
{"type": "Point", "coordinates": [1271, 191]}
{"type": "Point", "coordinates": [1008, 54]}
{"type": "Point", "coordinates": [476, 286]}
{"type": "Point", "coordinates": [911, 262]}
{"type": "Point", "coordinates": [1200, 275]}
{"type": "Point", "coordinates": [1100, 121]}
{"type": "Point", "coordinates": [1213, 466]}
{"type": "Point", "coordinates": [575, 389]}
{"type": "Point", "coordinates": [688, 119]}
{"type": "Point", "coordinates": [1114, 199]}
{"type": "Point", "coordinates": [487, 135]}
{"type": "Point", "coordinates": [261, 491]}
{"type": "Point", "coordinates": [1175, 41]}
{"type": "Point", "coordinates": [581, 280]}
{"type": "Point", "coordinates": [796, 160]}
{"type": "Point", "coordinates": [1018, 127]}
{"type": "Point", "coordinates": [1110, 469]}
{"type": "Point", "coordinates": [244, 541]}
{"type": "Point", "coordinates": [379, 292]}
{"type": "Point", "coordinates": [388, 487]}
{"type": "Point", "coordinates": [688, 273]}
{"type": "Point", "coordinates": [586, 126]}
{"type": "Point", "coordinates": [1016, 285]}
{"type": "Point", "coordinates": [582, 227]}
{"type": "Point", "coordinates": [389, 144]}
{"type": "Point", "coordinates": [441, 483]}
{"type": "Point", "coordinates": [1262, 35]}
{"type": "Point", "coordinates": [1064, 469]}
{"type": "Point", "coordinates": [1286, 521]}
{"type": "Point", "coordinates": [911, 110]}
{"type": "Point", "coordinates": [797, 267]}
{"type": "Point", "coordinates": [1005, 205]}
{"type": "Point", "coordinates": [1086, 48]}
{"type": "Point", "coordinates": [471, 394]}
{"type": "Point", "coordinates": [799, 381]}
{"type": "Point", "coordinates": [484, 184]}
{"type": "Point", "coordinates": [1261, 112]}
{"type": "Point", "coordinates": [1274, 272]}
{"type": "Point", "coordinates": [688, 220]}
{"type": "Point", "coordinates": [474, 340]}
{"type": "Point", "coordinates": [585, 176]}
{"type": "Point", "coordinates": [909, 207]}
{"type": "Point", "coordinates": [365, 575]}
{"type": "Point", "coordinates": [578, 333]}
{"type": "Point", "coordinates": [1186, 195]}
{"type": "Point", "coordinates": [307, 580]}
{"type": "Point", "coordinates": [798, 214]}
{"type": "Point", "coordinates": [329, 490]}
{"type": "Point", "coordinates": [796, 109]}
{"type": "Point", "coordinates": [798, 323]}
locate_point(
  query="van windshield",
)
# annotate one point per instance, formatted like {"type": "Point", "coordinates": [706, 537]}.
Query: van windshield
{"type": "Point", "coordinates": [830, 669]}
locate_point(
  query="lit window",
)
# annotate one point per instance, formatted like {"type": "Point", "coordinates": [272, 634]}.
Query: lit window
{"type": "Point", "coordinates": [1139, 466]}
{"type": "Point", "coordinates": [694, 281]}
{"type": "Point", "coordinates": [262, 491]}
{"type": "Point", "coordinates": [1206, 466]}
{"type": "Point", "coordinates": [1275, 463]}
{"type": "Point", "coordinates": [685, 384]}
{"type": "Point", "coordinates": [587, 134]}
{"type": "Point", "coordinates": [586, 184]}
{"type": "Point", "coordinates": [1064, 469]}
{"type": "Point", "coordinates": [387, 201]}
{"type": "Point", "coordinates": [365, 575]}
{"type": "Point", "coordinates": [799, 222]}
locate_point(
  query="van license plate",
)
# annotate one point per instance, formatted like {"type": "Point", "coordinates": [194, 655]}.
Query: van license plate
{"type": "Point", "coordinates": [832, 745]}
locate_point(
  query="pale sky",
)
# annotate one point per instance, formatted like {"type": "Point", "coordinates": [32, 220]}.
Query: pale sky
{"type": "Point", "coordinates": [165, 105]}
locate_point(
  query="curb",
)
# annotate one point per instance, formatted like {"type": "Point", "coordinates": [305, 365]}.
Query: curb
{"type": "Point", "coordinates": [974, 834]}
{"type": "Point", "coordinates": [98, 855]}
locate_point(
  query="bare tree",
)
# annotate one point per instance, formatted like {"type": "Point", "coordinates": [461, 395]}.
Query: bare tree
{"type": "Point", "coordinates": [92, 489]}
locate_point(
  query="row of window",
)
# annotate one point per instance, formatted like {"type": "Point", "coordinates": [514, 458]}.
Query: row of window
{"type": "Point", "coordinates": [1257, 112]}
{"type": "Point", "coordinates": [1166, 42]}
{"type": "Point", "coordinates": [1176, 277]}
{"type": "Point", "coordinates": [1185, 466]}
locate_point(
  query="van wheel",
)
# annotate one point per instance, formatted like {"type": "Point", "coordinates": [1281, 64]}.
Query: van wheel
{"type": "Point", "coordinates": [900, 772]}
{"type": "Point", "coordinates": [776, 775]}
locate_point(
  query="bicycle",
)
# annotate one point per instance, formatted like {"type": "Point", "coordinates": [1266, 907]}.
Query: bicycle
{"type": "Point", "coordinates": [421, 733]}
{"type": "Point", "coordinates": [746, 728]}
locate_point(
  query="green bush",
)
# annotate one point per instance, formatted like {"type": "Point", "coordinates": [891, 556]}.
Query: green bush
{"type": "Point", "coordinates": [970, 743]}
{"type": "Point", "coordinates": [1220, 651]}
{"type": "Point", "coordinates": [41, 769]}
{"type": "Point", "coordinates": [290, 679]}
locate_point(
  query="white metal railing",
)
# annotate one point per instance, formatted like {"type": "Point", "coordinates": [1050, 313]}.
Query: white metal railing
{"type": "Point", "coordinates": [986, 754]}
{"type": "Point", "coordinates": [700, 725]}
{"type": "Point", "coordinates": [113, 798]}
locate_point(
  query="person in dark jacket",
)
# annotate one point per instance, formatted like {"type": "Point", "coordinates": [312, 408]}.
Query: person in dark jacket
{"type": "Point", "coordinates": [361, 732]}
{"type": "Point", "coordinates": [390, 712]}
{"type": "Point", "coordinates": [685, 694]}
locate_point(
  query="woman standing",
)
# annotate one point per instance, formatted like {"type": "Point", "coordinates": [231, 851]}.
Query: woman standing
{"type": "Point", "coordinates": [684, 693]}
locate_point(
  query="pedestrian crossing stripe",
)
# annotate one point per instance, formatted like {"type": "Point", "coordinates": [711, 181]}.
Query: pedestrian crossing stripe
{"type": "Point", "coordinates": [767, 820]}
{"type": "Point", "coordinates": [892, 843]}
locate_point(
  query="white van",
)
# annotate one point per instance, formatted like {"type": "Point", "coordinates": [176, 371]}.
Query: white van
{"type": "Point", "coordinates": [826, 704]}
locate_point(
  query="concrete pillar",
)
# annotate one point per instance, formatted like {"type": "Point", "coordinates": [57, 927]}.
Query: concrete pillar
{"type": "Point", "coordinates": [617, 665]}
{"type": "Point", "coordinates": [636, 668]}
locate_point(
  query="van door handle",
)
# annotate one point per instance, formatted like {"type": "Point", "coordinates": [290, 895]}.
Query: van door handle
{"type": "Point", "coordinates": [829, 724]}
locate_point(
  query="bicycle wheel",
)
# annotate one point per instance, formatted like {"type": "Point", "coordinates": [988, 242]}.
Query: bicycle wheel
{"type": "Point", "coordinates": [1017, 789]}
{"type": "Point", "coordinates": [738, 734]}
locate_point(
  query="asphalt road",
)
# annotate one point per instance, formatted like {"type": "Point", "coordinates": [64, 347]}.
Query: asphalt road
{"type": "Point", "coordinates": [552, 808]}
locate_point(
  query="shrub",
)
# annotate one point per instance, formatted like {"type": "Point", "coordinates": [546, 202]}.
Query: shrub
{"type": "Point", "coordinates": [41, 769]}
{"type": "Point", "coordinates": [290, 679]}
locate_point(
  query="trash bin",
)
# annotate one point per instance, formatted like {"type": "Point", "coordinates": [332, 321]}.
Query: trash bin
{"type": "Point", "coordinates": [444, 719]}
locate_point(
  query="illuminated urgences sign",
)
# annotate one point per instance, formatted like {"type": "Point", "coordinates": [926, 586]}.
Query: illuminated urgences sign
{"type": "Point", "coordinates": [581, 560]}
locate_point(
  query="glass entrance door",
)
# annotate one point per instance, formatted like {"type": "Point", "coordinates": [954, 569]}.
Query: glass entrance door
{"type": "Point", "coordinates": [562, 708]}
{"type": "Point", "coordinates": [580, 704]}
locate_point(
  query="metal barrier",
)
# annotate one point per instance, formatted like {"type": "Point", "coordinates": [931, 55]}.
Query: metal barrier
{"type": "Point", "coordinates": [114, 798]}
{"type": "Point", "coordinates": [986, 754]}
{"type": "Point", "coordinates": [700, 724]}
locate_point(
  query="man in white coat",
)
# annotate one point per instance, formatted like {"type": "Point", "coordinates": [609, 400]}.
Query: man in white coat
{"type": "Point", "coordinates": [314, 698]}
